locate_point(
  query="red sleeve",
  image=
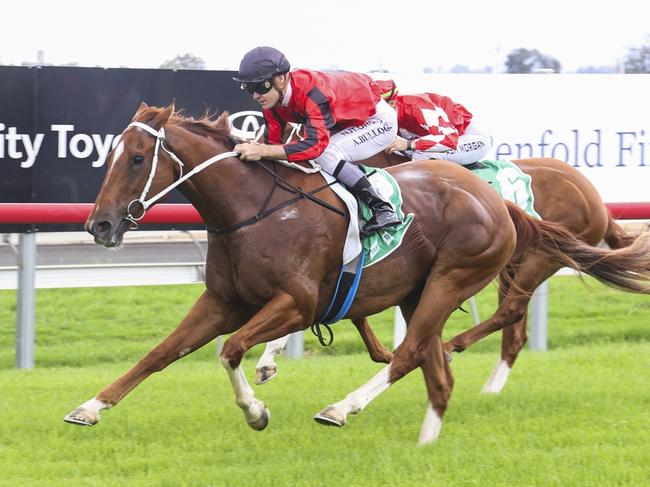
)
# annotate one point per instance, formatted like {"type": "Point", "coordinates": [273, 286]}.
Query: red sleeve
{"type": "Point", "coordinates": [274, 128]}
{"type": "Point", "coordinates": [442, 134]}
{"type": "Point", "coordinates": [317, 111]}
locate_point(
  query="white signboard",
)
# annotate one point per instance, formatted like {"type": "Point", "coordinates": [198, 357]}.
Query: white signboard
{"type": "Point", "coordinates": [600, 124]}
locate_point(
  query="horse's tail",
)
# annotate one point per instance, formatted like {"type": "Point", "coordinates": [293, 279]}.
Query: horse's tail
{"type": "Point", "coordinates": [626, 268]}
{"type": "Point", "coordinates": [616, 237]}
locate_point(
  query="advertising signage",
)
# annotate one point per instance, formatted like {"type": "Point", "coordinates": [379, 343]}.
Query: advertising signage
{"type": "Point", "coordinates": [57, 124]}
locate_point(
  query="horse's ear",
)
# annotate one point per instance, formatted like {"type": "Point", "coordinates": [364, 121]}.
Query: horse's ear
{"type": "Point", "coordinates": [141, 108]}
{"type": "Point", "coordinates": [223, 122]}
{"type": "Point", "coordinates": [162, 118]}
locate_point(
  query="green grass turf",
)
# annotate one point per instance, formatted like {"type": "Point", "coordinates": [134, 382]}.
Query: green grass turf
{"type": "Point", "coordinates": [576, 415]}
{"type": "Point", "coordinates": [568, 417]}
{"type": "Point", "coordinates": [76, 327]}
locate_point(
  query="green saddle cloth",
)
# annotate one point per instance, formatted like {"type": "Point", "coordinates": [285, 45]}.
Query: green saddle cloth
{"type": "Point", "coordinates": [504, 176]}
{"type": "Point", "coordinates": [510, 182]}
{"type": "Point", "coordinates": [381, 244]}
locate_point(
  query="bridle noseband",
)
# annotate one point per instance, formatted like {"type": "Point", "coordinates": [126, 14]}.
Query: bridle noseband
{"type": "Point", "coordinates": [160, 139]}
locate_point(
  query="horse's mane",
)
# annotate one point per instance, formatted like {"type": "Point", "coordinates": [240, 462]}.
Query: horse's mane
{"type": "Point", "coordinates": [217, 129]}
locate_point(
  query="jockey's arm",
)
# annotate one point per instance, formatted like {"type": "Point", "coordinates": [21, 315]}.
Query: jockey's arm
{"type": "Point", "coordinates": [423, 144]}
{"type": "Point", "coordinates": [435, 143]}
{"type": "Point", "coordinates": [442, 135]}
{"type": "Point", "coordinates": [252, 151]}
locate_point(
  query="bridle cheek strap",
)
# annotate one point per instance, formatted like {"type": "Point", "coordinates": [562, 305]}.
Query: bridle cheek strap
{"type": "Point", "coordinates": [160, 139]}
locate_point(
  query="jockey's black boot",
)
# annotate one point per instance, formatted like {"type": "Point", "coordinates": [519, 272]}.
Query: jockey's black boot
{"type": "Point", "coordinates": [383, 214]}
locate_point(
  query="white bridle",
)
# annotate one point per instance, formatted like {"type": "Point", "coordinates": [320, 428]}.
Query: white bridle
{"type": "Point", "coordinates": [160, 139]}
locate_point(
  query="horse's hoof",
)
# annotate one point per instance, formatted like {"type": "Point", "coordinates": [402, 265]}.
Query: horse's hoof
{"type": "Point", "coordinates": [82, 417]}
{"type": "Point", "coordinates": [263, 422]}
{"type": "Point", "coordinates": [265, 373]}
{"type": "Point", "coordinates": [330, 417]}
{"type": "Point", "coordinates": [448, 356]}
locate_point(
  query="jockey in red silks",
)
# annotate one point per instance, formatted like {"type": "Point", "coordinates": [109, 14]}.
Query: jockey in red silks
{"type": "Point", "coordinates": [432, 126]}
{"type": "Point", "coordinates": [344, 116]}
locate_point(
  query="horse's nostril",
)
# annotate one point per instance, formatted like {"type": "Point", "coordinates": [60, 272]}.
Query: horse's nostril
{"type": "Point", "coordinates": [102, 228]}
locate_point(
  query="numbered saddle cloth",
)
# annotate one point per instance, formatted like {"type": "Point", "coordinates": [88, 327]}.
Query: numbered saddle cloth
{"type": "Point", "coordinates": [509, 181]}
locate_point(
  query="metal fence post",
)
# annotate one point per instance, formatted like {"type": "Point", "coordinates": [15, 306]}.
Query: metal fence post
{"type": "Point", "coordinates": [295, 345]}
{"type": "Point", "coordinates": [475, 314]}
{"type": "Point", "coordinates": [26, 301]}
{"type": "Point", "coordinates": [539, 318]}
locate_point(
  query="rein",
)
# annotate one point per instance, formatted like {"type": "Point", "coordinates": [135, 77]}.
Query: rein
{"type": "Point", "coordinates": [263, 212]}
{"type": "Point", "coordinates": [285, 185]}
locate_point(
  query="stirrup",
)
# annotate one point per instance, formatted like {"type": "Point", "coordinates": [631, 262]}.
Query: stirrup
{"type": "Point", "coordinates": [373, 226]}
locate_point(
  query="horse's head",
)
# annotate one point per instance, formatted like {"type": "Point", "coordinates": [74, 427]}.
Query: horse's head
{"type": "Point", "coordinates": [136, 167]}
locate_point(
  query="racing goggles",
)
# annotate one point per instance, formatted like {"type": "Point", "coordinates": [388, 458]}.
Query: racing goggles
{"type": "Point", "coordinates": [260, 87]}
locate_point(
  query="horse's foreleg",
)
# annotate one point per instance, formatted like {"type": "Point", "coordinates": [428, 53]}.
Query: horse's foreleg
{"type": "Point", "coordinates": [279, 317]}
{"type": "Point", "coordinates": [266, 367]}
{"type": "Point", "coordinates": [202, 324]}
{"type": "Point", "coordinates": [377, 351]}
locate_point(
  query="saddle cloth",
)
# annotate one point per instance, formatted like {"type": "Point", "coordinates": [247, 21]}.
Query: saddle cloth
{"type": "Point", "coordinates": [509, 181]}
{"type": "Point", "coordinates": [381, 244]}
{"type": "Point", "coordinates": [361, 253]}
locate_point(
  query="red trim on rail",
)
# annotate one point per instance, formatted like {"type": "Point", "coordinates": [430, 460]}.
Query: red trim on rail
{"type": "Point", "coordinates": [629, 211]}
{"type": "Point", "coordinates": [39, 213]}
{"type": "Point", "coordinates": [35, 213]}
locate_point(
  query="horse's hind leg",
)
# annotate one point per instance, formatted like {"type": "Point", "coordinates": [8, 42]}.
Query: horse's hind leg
{"type": "Point", "coordinates": [439, 382]}
{"type": "Point", "coordinates": [511, 312]}
{"type": "Point", "coordinates": [514, 337]}
{"type": "Point", "coordinates": [203, 323]}
{"type": "Point", "coordinates": [441, 296]}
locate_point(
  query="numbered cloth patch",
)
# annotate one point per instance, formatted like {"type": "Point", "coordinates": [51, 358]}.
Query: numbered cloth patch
{"type": "Point", "coordinates": [510, 182]}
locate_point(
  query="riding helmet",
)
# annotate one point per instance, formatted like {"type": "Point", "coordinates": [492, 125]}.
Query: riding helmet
{"type": "Point", "coordinates": [260, 64]}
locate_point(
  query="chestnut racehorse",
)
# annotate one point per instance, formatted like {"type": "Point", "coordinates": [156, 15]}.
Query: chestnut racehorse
{"type": "Point", "coordinates": [562, 195]}
{"type": "Point", "coordinates": [273, 275]}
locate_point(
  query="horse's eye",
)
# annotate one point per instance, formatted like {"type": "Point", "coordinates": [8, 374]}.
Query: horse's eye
{"type": "Point", "coordinates": [138, 159]}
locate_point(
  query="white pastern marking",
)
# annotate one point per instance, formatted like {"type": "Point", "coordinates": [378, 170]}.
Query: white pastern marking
{"type": "Point", "coordinates": [95, 405]}
{"type": "Point", "coordinates": [431, 426]}
{"type": "Point", "coordinates": [498, 379]}
{"type": "Point", "coordinates": [357, 401]}
{"type": "Point", "coordinates": [271, 350]}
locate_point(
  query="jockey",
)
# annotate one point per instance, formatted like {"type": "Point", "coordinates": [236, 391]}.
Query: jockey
{"type": "Point", "coordinates": [344, 116]}
{"type": "Point", "coordinates": [434, 127]}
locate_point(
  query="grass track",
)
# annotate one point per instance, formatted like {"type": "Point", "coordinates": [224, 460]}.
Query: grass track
{"type": "Point", "coordinates": [576, 415]}
{"type": "Point", "coordinates": [569, 417]}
